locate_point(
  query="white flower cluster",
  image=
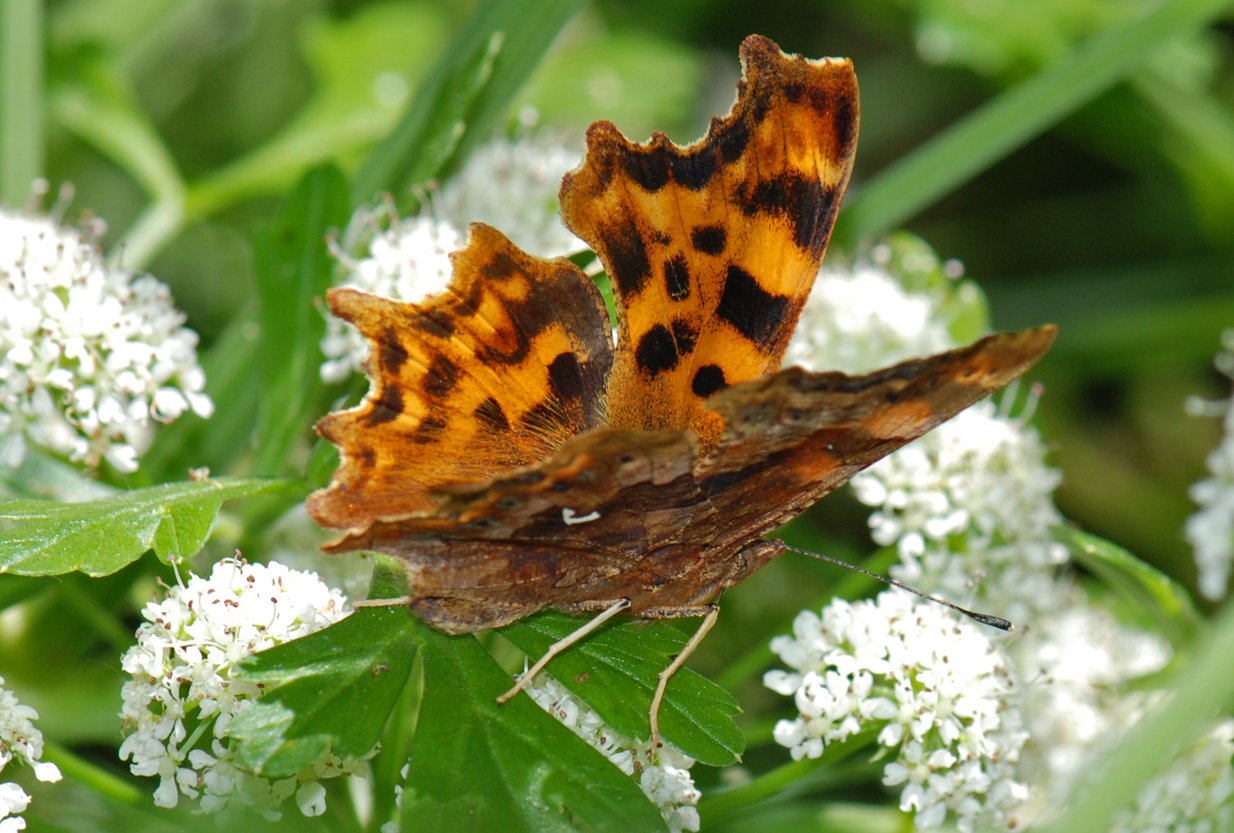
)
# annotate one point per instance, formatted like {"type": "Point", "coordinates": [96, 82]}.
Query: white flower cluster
{"type": "Point", "coordinates": [510, 185]}
{"type": "Point", "coordinates": [1195, 795]}
{"type": "Point", "coordinates": [971, 501]}
{"type": "Point", "coordinates": [20, 739]}
{"type": "Point", "coordinates": [182, 697]}
{"type": "Point", "coordinates": [1082, 665]}
{"type": "Point", "coordinates": [1211, 529]}
{"type": "Point", "coordinates": [934, 686]}
{"type": "Point", "coordinates": [89, 354]}
{"type": "Point", "coordinates": [862, 318]}
{"type": "Point", "coordinates": [969, 509]}
{"type": "Point", "coordinates": [664, 776]}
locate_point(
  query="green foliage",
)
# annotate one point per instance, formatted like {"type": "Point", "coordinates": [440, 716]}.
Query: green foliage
{"type": "Point", "coordinates": [47, 538]}
{"type": "Point", "coordinates": [294, 270]}
{"type": "Point", "coordinates": [615, 671]}
{"type": "Point", "coordinates": [330, 691]}
{"type": "Point", "coordinates": [480, 766]}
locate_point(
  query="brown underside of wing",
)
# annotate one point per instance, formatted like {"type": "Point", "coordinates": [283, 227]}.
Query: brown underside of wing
{"type": "Point", "coordinates": [670, 529]}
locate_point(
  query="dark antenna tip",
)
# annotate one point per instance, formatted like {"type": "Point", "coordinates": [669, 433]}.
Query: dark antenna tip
{"type": "Point", "coordinates": [984, 618]}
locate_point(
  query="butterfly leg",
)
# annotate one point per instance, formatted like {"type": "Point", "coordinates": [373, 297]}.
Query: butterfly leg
{"type": "Point", "coordinates": [713, 613]}
{"type": "Point", "coordinates": [562, 644]}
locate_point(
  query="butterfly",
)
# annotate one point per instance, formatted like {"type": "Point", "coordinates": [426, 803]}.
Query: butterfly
{"type": "Point", "coordinates": [516, 458]}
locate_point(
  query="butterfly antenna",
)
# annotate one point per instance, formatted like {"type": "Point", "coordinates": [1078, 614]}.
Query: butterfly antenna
{"type": "Point", "coordinates": [984, 618]}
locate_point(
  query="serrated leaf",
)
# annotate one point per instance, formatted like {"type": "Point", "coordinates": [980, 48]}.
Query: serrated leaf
{"type": "Point", "coordinates": [615, 671]}
{"type": "Point", "coordinates": [99, 537]}
{"type": "Point", "coordinates": [330, 691]}
{"type": "Point", "coordinates": [294, 268]}
{"type": "Point", "coordinates": [1154, 595]}
{"type": "Point", "coordinates": [480, 767]}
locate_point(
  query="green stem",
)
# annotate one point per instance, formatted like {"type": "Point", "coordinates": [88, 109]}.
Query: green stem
{"type": "Point", "coordinates": [21, 98]}
{"type": "Point", "coordinates": [93, 777]}
{"type": "Point", "coordinates": [1011, 120]}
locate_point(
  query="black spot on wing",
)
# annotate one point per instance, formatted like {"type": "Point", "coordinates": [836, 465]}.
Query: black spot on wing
{"type": "Point", "coordinates": [491, 416]}
{"type": "Point", "coordinates": [629, 267]}
{"type": "Point", "coordinates": [677, 278]}
{"type": "Point", "coordinates": [808, 207]}
{"type": "Point", "coordinates": [684, 336]}
{"type": "Point", "coordinates": [694, 170]}
{"type": "Point", "coordinates": [707, 380]}
{"type": "Point", "coordinates": [393, 356]}
{"type": "Point", "coordinates": [387, 407]}
{"type": "Point", "coordinates": [649, 170]}
{"type": "Point", "coordinates": [502, 267]}
{"type": "Point", "coordinates": [708, 239]}
{"type": "Point", "coordinates": [732, 141]}
{"type": "Point", "coordinates": [565, 377]}
{"type": "Point", "coordinates": [432, 323]}
{"type": "Point", "coordinates": [656, 351]}
{"type": "Point", "coordinates": [441, 378]}
{"type": "Point", "coordinates": [428, 431]}
{"type": "Point", "coordinates": [756, 313]}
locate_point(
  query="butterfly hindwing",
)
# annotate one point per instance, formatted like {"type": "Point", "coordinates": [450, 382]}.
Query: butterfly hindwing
{"type": "Point", "coordinates": [491, 375]}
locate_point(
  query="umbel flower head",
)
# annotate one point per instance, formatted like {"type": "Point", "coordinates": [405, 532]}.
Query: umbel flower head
{"type": "Point", "coordinates": [933, 687]}
{"type": "Point", "coordinates": [90, 355]}
{"type": "Point", "coordinates": [19, 740]}
{"type": "Point", "coordinates": [183, 697]}
{"type": "Point", "coordinates": [663, 775]}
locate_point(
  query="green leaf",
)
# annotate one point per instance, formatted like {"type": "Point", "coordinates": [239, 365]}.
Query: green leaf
{"type": "Point", "coordinates": [45, 538]}
{"type": "Point", "coordinates": [1152, 593]}
{"type": "Point", "coordinates": [330, 691]}
{"type": "Point", "coordinates": [480, 767]}
{"type": "Point", "coordinates": [1011, 120]}
{"type": "Point", "coordinates": [615, 671]}
{"type": "Point", "coordinates": [465, 94]}
{"type": "Point", "coordinates": [294, 269]}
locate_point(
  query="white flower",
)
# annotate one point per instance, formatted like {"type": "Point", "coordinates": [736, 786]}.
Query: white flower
{"type": "Point", "coordinates": [663, 776]}
{"type": "Point", "coordinates": [512, 185]}
{"type": "Point", "coordinates": [1081, 664]}
{"type": "Point", "coordinates": [1195, 795]}
{"type": "Point", "coordinates": [182, 696]}
{"type": "Point", "coordinates": [90, 355]}
{"type": "Point", "coordinates": [1211, 529]}
{"type": "Point", "coordinates": [939, 693]}
{"type": "Point", "coordinates": [969, 508]}
{"type": "Point", "coordinates": [21, 740]}
{"type": "Point", "coordinates": [862, 318]}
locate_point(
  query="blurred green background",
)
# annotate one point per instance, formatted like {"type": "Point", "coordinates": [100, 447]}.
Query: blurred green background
{"type": "Point", "coordinates": [1106, 209]}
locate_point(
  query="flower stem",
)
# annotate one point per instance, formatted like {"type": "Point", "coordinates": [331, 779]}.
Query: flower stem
{"type": "Point", "coordinates": [21, 98]}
